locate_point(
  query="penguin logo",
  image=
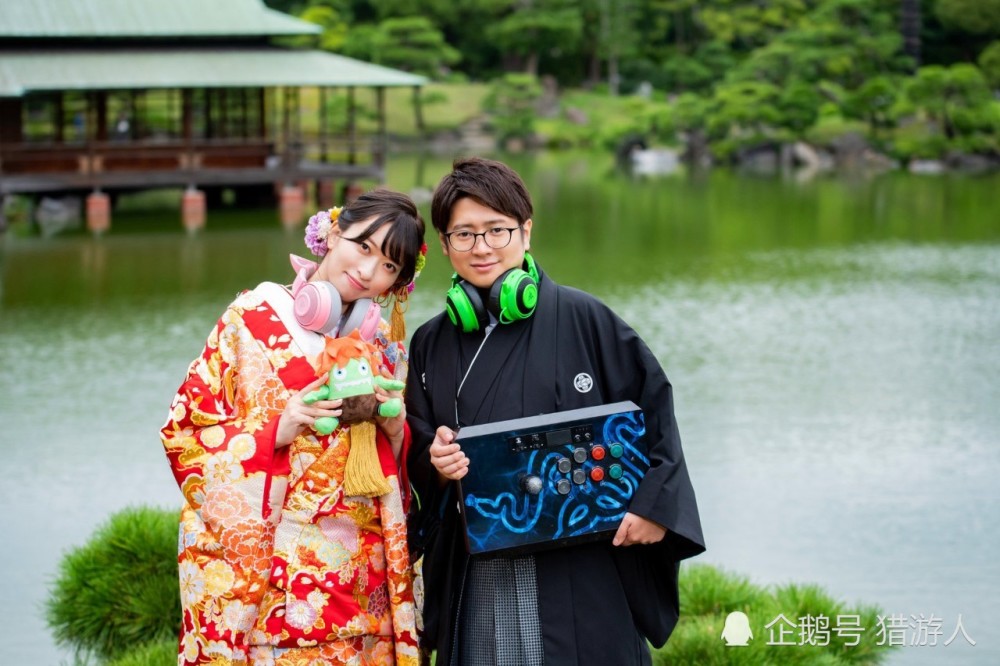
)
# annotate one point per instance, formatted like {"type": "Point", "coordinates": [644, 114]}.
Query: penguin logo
{"type": "Point", "coordinates": [583, 382]}
{"type": "Point", "coordinates": [737, 630]}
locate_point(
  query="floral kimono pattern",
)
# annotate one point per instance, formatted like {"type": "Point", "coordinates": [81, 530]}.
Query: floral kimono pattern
{"type": "Point", "coordinates": [277, 567]}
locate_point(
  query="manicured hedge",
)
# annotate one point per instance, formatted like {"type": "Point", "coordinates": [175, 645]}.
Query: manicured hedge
{"type": "Point", "coordinates": [116, 600]}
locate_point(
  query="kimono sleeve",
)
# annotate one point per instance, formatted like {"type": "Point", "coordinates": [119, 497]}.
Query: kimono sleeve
{"type": "Point", "coordinates": [219, 436]}
{"type": "Point", "coordinates": [428, 491]}
{"type": "Point", "coordinates": [665, 495]}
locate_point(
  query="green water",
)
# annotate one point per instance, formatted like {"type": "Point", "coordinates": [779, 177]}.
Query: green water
{"type": "Point", "coordinates": [833, 345]}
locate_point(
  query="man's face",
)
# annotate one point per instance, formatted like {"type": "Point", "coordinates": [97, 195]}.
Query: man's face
{"type": "Point", "coordinates": [482, 264]}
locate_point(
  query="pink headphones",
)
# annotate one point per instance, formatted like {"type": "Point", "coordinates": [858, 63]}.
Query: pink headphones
{"type": "Point", "coordinates": [318, 304]}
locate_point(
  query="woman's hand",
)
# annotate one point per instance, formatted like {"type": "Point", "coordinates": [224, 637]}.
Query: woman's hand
{"type": "Point", "coordinates": [636, 529]}
{"type": "Point", "coordinates": [447, 456]}
{"type": "Point", "coordinates": [298, 416]}
{"type": "Point", "coordinates": [392, 426]}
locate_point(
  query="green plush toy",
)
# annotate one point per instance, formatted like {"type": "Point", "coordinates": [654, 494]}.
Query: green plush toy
{"type": "Point", "coordinates": [347, 362]}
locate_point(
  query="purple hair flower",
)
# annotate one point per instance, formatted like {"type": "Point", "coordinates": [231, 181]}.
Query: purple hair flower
{"type": "Point", "coordinates": [318, 230]}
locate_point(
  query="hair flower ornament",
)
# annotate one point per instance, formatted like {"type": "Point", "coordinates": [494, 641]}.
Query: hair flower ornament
{"type": "Point", "coordinates": [318, 230]}
{"type": "Point", "coordinates": [421, 262]}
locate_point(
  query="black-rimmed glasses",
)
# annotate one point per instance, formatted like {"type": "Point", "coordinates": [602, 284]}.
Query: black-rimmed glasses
{"type": "Point", "coordinates": [495, 237]}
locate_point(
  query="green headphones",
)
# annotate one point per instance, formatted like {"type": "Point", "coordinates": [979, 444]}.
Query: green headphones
{"type": "Point", "coordinates": [513, 297]}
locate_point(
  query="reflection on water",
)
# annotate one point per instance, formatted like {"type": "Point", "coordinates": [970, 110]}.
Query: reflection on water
{"type": "Point", "coordinates": [833, 348]}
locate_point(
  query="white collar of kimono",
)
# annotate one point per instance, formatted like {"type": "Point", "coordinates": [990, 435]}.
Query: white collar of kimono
{"type": "Point", "coordinates": [281, 301]}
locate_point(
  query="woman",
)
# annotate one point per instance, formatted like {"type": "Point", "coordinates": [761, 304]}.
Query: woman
{"type": "Point", "coordinates": [277, 565]}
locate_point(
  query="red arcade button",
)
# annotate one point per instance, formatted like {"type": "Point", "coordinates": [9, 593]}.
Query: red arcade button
{"type": "Point", "coordinates": [598, 452]}
{"type": "Point", "coordinates": [597, 474]}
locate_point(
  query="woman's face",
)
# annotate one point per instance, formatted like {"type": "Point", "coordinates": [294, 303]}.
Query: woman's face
{"type": "Point", "coordinates": [358, 269]}
{"type": "Point", "coordinates": [482, 265]}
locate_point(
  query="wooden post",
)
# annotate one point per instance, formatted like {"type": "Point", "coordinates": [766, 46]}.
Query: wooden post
{"type": "Point", "coordinates": [58, 119]}
{"type": "Point", "coordinates": [193, 209]}
{"type": "Point", "coordinates": [102, 116]}
{"type": "Point", "coordinates": [98, 212]}
{"type": "Point", "coordinates": [351, 192]}
{"type": "Point", "coordinates": [351, 128]}
{"type": "Point", "coordinates": [286, 130]}
{"type": "Point", "coordinates": [141, 106]}
{"type": "Point", "coordinates": [262, 113]}
{"type": "Point", "coordinates": [244, 122]}
{"type": "Point", "coordinates": [223, 113]}
{"type": "Point", "coordinates": [133, 111]}
{"type": "Point", "coordinates": [10, 124]}
{"type": "Point", "coordinates": [297, 105]}
{"type": "Point", "coordinates": [322, 124]}
{"type": "Point", "coordinates": [292, 206]}
{"type": "Point", "coordinates": [11, 129]}
{"type": "Point", "coordinates": [89, 132]}
{"type": "Point", "coordinates": [326, 193]}
{"type": "Point", "coordinates": [208, 114]}
{"type": "Point", "coordinates": [187, 126]}
{"type": "Point", "coordinates": [418, 111]}
{"type": "Point", "coordinates": [383, 135]}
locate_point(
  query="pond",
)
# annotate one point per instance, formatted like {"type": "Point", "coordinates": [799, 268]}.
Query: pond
{"type": "Point", "coordinates": [833, 346]}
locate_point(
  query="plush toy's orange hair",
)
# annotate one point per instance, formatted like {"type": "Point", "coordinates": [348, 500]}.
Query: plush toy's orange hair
{"type": "Point", "coordinates": [339, 351]}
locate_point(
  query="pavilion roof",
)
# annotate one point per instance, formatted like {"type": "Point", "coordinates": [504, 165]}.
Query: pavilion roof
{"type": "Point", "coordinates": [124, 69]}
{"type": "Point", "coordinates": [137, 19]}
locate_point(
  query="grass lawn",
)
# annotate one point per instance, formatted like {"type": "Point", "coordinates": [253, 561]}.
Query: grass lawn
{"type": "Point", "coordinates": [446, 106]}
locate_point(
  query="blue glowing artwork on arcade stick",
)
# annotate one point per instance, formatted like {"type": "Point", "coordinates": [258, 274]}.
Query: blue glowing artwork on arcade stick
{"type": "Point", "coordinates": [553, 479]}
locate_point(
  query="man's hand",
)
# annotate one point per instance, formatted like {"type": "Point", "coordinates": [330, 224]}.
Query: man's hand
{"type": "Point", "coordinates": [447, 456]}
{"type": "Point", "coordinates": [635, 529]}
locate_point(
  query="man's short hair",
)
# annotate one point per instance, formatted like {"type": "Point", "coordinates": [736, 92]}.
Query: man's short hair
{"type": "Point", "coordinates": [491, 183]}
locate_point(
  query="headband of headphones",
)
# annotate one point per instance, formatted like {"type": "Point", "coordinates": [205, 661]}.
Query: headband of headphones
{"type": "Point", "coordinates": [512, 297]}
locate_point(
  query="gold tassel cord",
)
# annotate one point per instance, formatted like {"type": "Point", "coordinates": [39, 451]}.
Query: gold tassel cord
{"type": "Point", "coordinates": [363, 473]}
{"type": "Point", "coordinates": [397, 324]}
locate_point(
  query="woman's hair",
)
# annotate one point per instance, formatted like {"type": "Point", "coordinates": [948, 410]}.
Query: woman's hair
{"type": "Point", "coordinates": [406, 231]}
{"type": "Point", "coordinates": [491, 183]}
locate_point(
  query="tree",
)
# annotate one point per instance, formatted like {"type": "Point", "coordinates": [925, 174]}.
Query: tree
{"type": "Point", "coordinates": [979, 17]}
{"type": "Point", "coordinates": [332, 21]}
{"type": "Point", "coordinates": [613, 35]}
{"type": "Point", "coordinates": [989, 63]}
{"type": "Point", "coordinates": [410, 43]}
{"type": "Point", "coordinates": [909, 27]}
{"type": "Point", "coordinates": [413, 44]}
{"type": "Point", "coordinates": [678, 16]}
{"type": "Point", "coordinates": [699, 71]}
{"type": "Point", "coordinates": [798, 105]}
{"type": "Point", "coordinates": [528, 26]}
{"type": "Point", "coordinates": [362, 42]}
{"type": "Point", "coordinates": [844, 41]}
{"type": "Point", "coordinates": [956, 97]}
{"type": "Point", "coordinates": [749, 23]}
{"type": "Point", "coordinates": [873, 102]}
{"type": "Point", "coordinates": [286, 6]}
{"type": "Point", "coordinates": [744, 109]}
{"type": "Point", "coordinates": [685, 119]}
{"type": "Point", "coordinates": [119, 591]}
{"type": "Point", "coordinates": [511, 102]}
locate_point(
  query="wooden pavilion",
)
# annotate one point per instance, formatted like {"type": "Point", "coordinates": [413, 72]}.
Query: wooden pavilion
{"type": "Point", "coordinates": [106, 96]}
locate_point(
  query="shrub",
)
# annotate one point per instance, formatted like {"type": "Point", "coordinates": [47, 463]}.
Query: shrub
{"type": "Point", "coordinates": [119, 591]}
{"type": "Point", "coordinates": [825, 132]}
{"type": "Point", "coordinates": [918, 141]}
{"type": "Point", "coordinates": [157, 653]}
{"type": "Point", "coordinates": [709, 594]}
{"type": "Point", "coordinates": [117, 599]}
{"type": "Point", "coordinates": [511, 102]}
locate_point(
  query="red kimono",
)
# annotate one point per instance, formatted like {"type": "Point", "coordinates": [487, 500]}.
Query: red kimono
{"type": "Point", "coordinates": [277, 566]}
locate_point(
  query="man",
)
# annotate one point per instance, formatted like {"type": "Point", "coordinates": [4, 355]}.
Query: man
{"type": "Point", "coordinates": [497, 354]}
